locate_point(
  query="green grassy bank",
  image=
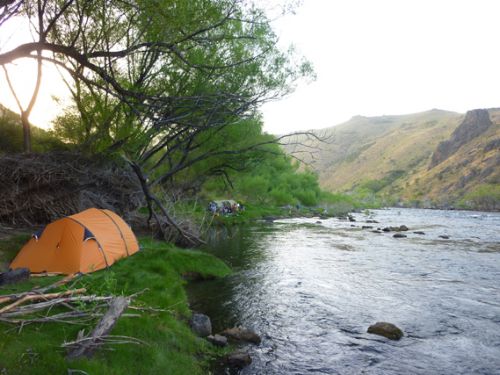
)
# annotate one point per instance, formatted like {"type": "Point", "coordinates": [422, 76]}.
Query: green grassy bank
{"type": "Point", "coordinates": [170, 347]}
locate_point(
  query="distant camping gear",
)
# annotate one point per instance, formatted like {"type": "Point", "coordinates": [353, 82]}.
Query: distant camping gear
{"type": "Point", "coordinates": [224, 207]}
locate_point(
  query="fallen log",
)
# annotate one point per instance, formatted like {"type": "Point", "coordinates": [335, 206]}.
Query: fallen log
{"type": "Point", "coordinates": [85, 346]}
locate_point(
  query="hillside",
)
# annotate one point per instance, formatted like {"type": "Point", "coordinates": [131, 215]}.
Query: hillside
{"type": "Point", "coordinates": [430, 158]}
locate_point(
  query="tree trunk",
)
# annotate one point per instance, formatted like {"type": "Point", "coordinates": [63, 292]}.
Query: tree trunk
{"type": "Point", "coordinates": [26, 133]}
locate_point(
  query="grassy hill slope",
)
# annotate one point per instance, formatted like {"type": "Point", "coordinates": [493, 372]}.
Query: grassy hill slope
{"type": "Point", "coordinates": [392, 156]}
{"type": "Point", "coordinates": [470, 176]}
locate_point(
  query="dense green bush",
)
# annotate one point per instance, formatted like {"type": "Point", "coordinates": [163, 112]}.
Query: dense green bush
{"type": "Point", "coordinates": [483, 197]}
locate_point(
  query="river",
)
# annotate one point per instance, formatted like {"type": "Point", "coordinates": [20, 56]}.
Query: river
{"type": "Point", "coordinates": [312, 287]}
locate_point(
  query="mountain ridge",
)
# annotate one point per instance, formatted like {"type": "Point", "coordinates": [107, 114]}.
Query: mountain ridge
{"type": "Point", "coordinates": [392, 155]}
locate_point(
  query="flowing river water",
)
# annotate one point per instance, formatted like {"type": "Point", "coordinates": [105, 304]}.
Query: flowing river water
{"type": "Point", "coordinates": [312, 287]}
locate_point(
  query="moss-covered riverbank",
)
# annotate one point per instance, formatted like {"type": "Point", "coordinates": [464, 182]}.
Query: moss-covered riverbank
{"type": "Point", "coordinates": [169, 345]}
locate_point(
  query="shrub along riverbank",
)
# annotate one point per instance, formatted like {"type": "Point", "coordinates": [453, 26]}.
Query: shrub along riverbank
{"type": "Point", "coordinates": [328, 205]}
{"type": "Point", "coordinates": [169, 345]}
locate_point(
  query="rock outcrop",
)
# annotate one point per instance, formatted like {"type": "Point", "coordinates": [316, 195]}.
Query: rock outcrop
{"type": "Point", "coordinates": [475, 123]}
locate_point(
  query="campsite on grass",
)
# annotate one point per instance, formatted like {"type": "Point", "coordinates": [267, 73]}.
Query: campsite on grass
{"type": "Point", "coordinates": [247, 187]}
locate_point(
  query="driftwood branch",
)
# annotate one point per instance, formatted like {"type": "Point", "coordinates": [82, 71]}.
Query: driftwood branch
{"type": "Point", "coordinates": [85, 346]}
{"type": "Point", "coordinates": [38, 297]}
{"type": "Point", "coordinates": [14, 297]}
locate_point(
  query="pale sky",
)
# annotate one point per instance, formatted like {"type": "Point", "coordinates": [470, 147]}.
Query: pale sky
{"type": "Point", "coordinates": [371, 58]}
{"type": "Point", "coordinates": [389, 57]}
{"type": "Point", "coordinates": [23, 77]}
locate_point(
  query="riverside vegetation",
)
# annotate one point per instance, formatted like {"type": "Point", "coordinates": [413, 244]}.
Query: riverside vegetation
{"type": "Point", "coordinates": [166, 94]}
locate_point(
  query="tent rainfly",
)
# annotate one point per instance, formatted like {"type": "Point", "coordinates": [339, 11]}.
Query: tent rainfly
{"type": "Point", "coordinates": [85, 242]}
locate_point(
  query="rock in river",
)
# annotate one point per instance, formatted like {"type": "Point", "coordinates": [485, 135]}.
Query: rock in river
{"type": "Point", "coordinates": [385, 329]}
{"type": "Point", "coordinates": [401, 228]}
{"type": "Point", "coordinates": [217, 340]}
{"type": "Point", "coordinates": [241, 334]}
{"type": "Point", "coordinates": [201, 325]}
{"type": "Point", "coordinates": [400, 235]}
{"type": "Point", "coordinates": [238, 359]}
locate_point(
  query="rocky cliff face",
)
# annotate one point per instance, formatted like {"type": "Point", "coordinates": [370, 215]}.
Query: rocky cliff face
{"type": "Point", "coordinates": [475, 123]}
{"type": "Point", "coordinates": [390, 155]}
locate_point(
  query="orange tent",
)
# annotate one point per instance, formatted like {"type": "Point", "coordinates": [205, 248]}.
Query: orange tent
{"type": "Point", "coordinates": [88, 241]}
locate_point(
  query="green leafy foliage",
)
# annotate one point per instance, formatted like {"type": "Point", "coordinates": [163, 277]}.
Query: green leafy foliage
{"type": "Point", "coordinates": [273, 180]}
{"type": "Point", "coordinates": [483, 197]}
{"type": "Point", "coordinates": [377, 185]}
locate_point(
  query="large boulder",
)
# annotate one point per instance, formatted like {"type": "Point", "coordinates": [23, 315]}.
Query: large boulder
{"type": "Point", "coordinates": [385, 329]}
{"type": "Point", "coordinates": [201, 325]}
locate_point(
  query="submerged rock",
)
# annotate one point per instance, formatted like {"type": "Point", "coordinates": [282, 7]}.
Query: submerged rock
{"type": "Point", "coordinates": [372, 221]}
{"type": "Point", "coordinates": [419, 232]}
{"type": "Point", "coordinates": [351, 218]}
{"type": "Point", "coordinates": [385, 329]}
{"type": "Point", "coordinates": [444, 237]}
{"type": "Point", "coordinates": [366, 227]}
{"type": "Point", "coordinates": [201, 325]}
{"type": "Point", "coordinates": [241, 334]}
{"type": "Point", "coordinates": [376, 231]}
{"type": "Point", "coordinates": [238, 359]}
{"type": "Point", "coordinates": [401, 228]}
{"type": "Point", "coordinates": [217, 340]}
{"type": "Point", "coordinates": [399, 235]}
